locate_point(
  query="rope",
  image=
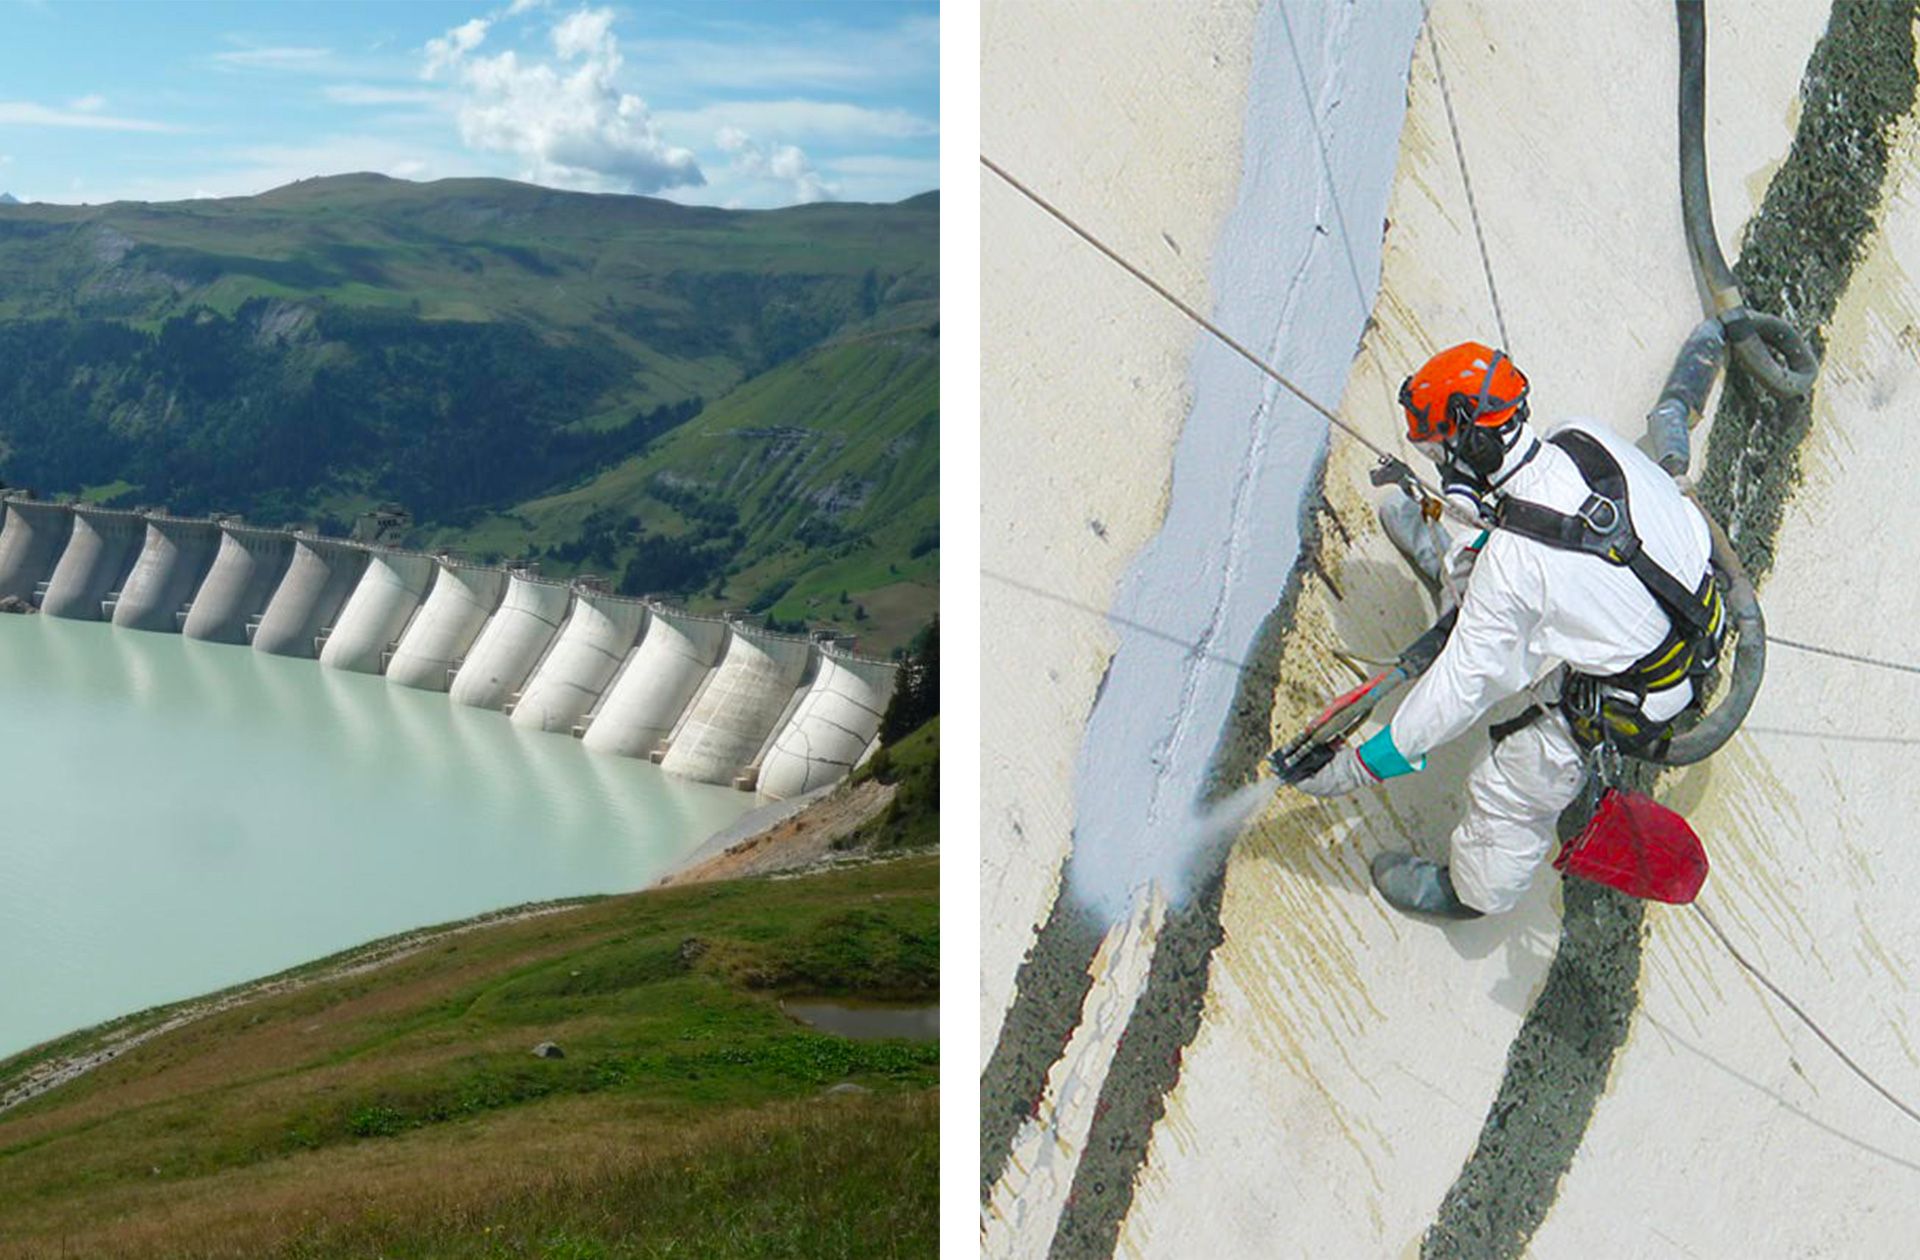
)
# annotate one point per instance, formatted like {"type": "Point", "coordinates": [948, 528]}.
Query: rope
{"type": "Point", "coordinates": [1845, 656]}
{"type": "Point", "coordinates": [1473, 207]}
{"type": "Point", "coordinates": [1218, 333]}
{"type": "Point", "coordinates": [1804, 1018]}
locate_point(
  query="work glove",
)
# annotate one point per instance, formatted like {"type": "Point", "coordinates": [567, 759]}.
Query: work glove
{"type": "Point", "coordinates": [1345, 773]}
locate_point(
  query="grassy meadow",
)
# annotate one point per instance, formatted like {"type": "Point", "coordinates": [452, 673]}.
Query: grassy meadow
{"type": "Point", "coordinates": [399, 1111]}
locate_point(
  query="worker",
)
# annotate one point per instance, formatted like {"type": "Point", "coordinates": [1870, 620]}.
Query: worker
{"type": "Point", "coordinates": [1590, 586]}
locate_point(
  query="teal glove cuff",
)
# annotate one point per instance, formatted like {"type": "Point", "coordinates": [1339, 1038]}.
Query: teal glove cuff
{"type": "Point", "coordinates": [1383, 760]}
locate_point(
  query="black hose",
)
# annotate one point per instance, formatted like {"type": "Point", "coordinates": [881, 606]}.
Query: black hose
{"type": "Point", "coordinates": [1753, 337]}
{"type": "Point", "coordinates": [1749, 661]}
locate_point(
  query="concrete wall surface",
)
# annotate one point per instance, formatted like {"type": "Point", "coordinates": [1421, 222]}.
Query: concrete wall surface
{"type": "Point", "coordinates": [319, 579]}
{"type": "Point", "coordinates": [510, 646]}
{"type": "Point", "coordinates": [1269, 1058]}
{"type": "Point", "coordinates": [31, 541]}
{"type": "Point", "coordinates": [833, 726]}
{"type": "Point", "coordinates": [243, 577]}
{"type": "Point", "coordinates": [736, 713]}
{"type": "Point", "coordinates": [174, 560]}
{"type": "Point", "coordinates": [99, 552]}
{"type": "Point", "coordinates": [457, 608]}
{"type": "Point", "coordinates": [597, 637]}
{"type": "Point", "coordinates": [388, 592]}
{"type": "Point", "coordinates": [1055, 378]}
{"type": "Point", "coordinates": [648, 698]}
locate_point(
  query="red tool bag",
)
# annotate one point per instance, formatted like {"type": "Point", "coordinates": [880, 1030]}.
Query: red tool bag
{"type": "Point", "coordinates": [1638, 846]}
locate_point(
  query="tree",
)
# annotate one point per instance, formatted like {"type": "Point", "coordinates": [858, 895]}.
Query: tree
{"type": "Point", "coordinates": [916, 696]}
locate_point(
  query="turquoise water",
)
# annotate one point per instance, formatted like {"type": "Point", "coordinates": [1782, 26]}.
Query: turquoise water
{"type": "Point", "coordinates": [176, 816]}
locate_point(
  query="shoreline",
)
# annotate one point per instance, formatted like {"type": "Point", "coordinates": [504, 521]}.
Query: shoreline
{"type": "Point", "coordinates": [758, 832]}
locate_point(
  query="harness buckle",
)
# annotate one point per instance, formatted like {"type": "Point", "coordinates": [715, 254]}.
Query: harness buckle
{"type": "Point", "coordinates": [1581, 695]}
{"type": "Point", "coordinates": [1601, 514]}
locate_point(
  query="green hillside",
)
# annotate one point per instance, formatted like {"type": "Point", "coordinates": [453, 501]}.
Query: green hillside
{"type": "Point", "coordinates": [486, 353]}
{"type": "Point", "coordinates": [817, 478]}
{"type": "Point", "coordinates": [386, 1102]}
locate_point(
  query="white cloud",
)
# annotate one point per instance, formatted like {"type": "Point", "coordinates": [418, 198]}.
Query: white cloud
{"type": "Point", "coordinates": [284, 58]}
{"type": "Point", "coordinates": [799, 118]}
{"type": "Point", "coordinates": [373, 94]}
{"type": "Point", "coordinates": [525, 6]}
{"type": "Point", "coordinates": [29, 114]}
{"type": "Point", "coordinates": [583, 33]}
{"type": "Point", "coordinates": [91, 103]}
{"type": "Point", "coordinates": [781, 163]}
{"type": "Point", "coordinates": [446, 52]}
{"type": "Point", "coordinates": [568, 119]}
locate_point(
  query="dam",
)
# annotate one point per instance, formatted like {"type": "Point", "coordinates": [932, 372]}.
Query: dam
{"type": "Point", "coordinates": [705, 698]}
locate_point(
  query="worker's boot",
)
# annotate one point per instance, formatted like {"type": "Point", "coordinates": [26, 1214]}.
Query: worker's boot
{"type": "Point", "coordinates": [1413, 537]}
{"type": "Point", "coordinates": [1414, 885]}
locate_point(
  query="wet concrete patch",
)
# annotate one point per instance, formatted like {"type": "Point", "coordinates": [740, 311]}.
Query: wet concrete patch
{"type": "Point", "coordinates": [1049, 991]}
{"type": "Point", "coordinates": [1145, 1069]}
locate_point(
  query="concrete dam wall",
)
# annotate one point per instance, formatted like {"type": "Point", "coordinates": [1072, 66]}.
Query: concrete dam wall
{"type": "Point", "coordinates": [376, 615]}
{"type": "Point", "coordinates": [173, 563]}
{"type": "Point", "coordinates": [1270, 1058]}
{"type": "Point", "coordinates": [512, 643]}
{"type": "Point", "coordinates": [591, 648]}
{"type": "Point", "coordinates": [434, 643]}
{"type": "Point", "coordinates": [833, 727]}
{"type": "Point", "coordinates": [100, 552]}
{"type": "Point", "coordinates": [245, 573]}
{"type": "Point", "coordinates": [647, 700]}
{"type": "Point", "coordinates": [319, 579]}
{"type": "Point", "coordinates": [705, 697]}
{"type": "Point", "coordinates": [31, 541]}
{"type": "Point", "coordinates": [740, 707]}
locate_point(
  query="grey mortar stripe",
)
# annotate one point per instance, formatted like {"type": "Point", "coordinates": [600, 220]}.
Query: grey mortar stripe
{"type": "Point", "coordinates": [1049, 989]}
{"type": "Point", "coordinates": [1799, 256]}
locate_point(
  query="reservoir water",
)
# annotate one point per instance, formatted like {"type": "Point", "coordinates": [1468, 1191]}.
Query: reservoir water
{"type": "Point", "coordinates": [177, 816]}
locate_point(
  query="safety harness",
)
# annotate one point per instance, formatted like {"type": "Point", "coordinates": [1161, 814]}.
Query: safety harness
{"type": "Point", "coordinates": [1611, 709]}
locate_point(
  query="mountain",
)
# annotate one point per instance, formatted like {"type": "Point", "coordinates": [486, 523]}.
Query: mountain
{"type": "Point", "coordinates": [484, 352]}
{"type": "Point", "coordinates": [8, 199]}
{"type": "Point", "coordinates": [818, 478]}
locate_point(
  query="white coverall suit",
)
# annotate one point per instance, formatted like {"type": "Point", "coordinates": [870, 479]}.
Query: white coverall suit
{"type": "Point", "coordinates": [1529, 608]}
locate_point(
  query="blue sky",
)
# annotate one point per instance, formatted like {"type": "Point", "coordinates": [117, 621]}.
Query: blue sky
{"type": "Point", "coordinates": [734, 104]}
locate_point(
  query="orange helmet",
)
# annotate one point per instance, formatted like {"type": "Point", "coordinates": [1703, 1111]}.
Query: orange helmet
{"type": "Point", "coordinates": [1466, 384]}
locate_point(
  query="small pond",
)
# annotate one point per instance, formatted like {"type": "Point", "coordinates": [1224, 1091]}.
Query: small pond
{"type": "Point", "coordinates": [866, 1021]}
